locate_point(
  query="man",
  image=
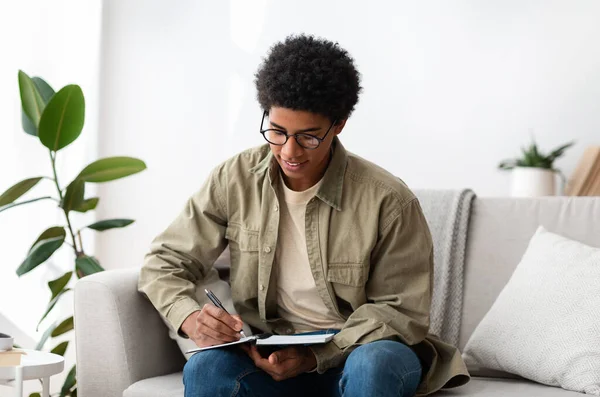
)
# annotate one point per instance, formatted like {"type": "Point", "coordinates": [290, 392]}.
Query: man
{"type": "Point", "coordinates": [319, 239]}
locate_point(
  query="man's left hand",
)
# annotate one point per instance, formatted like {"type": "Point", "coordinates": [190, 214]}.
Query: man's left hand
{"type": "Point", "coordinates": [286, 363]}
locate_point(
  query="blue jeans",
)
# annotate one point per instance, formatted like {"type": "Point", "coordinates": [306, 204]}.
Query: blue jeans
{"type": "Point", "coordinates": [377, 369]}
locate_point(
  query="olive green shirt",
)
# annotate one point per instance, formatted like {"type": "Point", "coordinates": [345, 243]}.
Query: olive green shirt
{"type": "Point", "coordinates": [369, 248]}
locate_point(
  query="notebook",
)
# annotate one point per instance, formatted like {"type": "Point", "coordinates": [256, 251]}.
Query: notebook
{"type": "Point", "coordinates": [268, 339]}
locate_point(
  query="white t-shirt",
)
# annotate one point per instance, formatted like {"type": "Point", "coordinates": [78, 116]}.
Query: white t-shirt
{"type": "Point", "coordinates": [298, 300]}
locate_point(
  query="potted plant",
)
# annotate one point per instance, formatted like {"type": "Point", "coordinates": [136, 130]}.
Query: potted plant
{"type": "Point", "coordinates": [56, 120]}
{"type": "Point", "coordinates": [534, 174]}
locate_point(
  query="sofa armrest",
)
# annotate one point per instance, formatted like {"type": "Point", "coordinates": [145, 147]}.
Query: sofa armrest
{"type": "Point", "coordinates": [120, 337]}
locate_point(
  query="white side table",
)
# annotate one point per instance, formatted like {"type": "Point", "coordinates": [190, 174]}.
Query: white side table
{"type": "Point", "coordinates": [34, 365]}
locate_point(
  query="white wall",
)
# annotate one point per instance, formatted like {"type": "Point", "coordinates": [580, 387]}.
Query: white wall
{"type": "Point", "coordinates": [450, 89]}
{"type": "Point", "coordinates": [59, 41]}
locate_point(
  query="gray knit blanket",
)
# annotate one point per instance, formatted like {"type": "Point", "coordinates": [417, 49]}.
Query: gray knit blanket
{"type": "Point", "coordinates": [447, 213]}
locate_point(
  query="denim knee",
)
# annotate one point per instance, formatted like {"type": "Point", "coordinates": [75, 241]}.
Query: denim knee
{"type": "Point", "coordinates": [214, 372]}
{"type": "Point", "coordinates": [383, 368]}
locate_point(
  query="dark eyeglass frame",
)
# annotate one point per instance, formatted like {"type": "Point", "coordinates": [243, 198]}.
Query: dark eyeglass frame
{"type": "Point", "coordinates": [320, 140]}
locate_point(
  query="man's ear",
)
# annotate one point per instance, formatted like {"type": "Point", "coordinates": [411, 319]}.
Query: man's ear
{"type": "Point", "coordinates": [339, 126]}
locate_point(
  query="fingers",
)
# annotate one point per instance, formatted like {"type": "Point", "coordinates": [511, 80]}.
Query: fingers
{"type": "Point", "coordinates": [207, 331]}
{"type": "Point", "coordinates": [235, 323]}
{"type": "Point", "coordinates": [205, 341]}
{"type": "Point", "coordinates": [260, 362]}
{"type": "Point", "coordinates": [279, 365]}
{"type": "Point", "coordinates": [239, 320]}
{"type": "Point", "coordinates": [212, 326]}
{"type": "Point", "coordinates": [255, 355]}
{"type": "Point", "coordinates": [284, 354]}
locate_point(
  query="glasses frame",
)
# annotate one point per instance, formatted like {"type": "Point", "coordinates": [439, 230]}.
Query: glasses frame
{"type": "Point", "coordinates": [320, 140]}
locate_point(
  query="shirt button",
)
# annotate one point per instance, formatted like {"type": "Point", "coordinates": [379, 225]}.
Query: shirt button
{"type": "Point", "coordinates": [267, 249]}
{"type": "Point", "coordinates": [289, 330]}
{"type": "Point", "coordinates": [262, 287]}
{"type": "Point", "coordinates": [276, 208]}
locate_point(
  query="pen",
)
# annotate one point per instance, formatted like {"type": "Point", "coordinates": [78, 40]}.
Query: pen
{"type": "Point", "coordinates": [213, 298]}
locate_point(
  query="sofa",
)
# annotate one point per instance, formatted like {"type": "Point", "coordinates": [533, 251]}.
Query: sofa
{"type": "Point", "coordinates": [124, 349]}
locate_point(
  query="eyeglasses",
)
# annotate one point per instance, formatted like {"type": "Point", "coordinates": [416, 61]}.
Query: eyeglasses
{"type": "Point", "coordinates": [280, 138]}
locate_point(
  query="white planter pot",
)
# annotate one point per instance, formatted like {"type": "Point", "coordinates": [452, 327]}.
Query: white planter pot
{"type": "Point", "coordinates": [533, 182]}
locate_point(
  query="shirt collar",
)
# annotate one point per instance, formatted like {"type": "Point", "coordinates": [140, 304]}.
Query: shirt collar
{"type": "Point", "coordinates": [330, 190]}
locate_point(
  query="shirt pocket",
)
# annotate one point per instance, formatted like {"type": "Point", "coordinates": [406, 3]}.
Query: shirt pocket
{"type": "Point", "coordinates": [351, 274]}
{"type": "Point", "coordinates": [241, 239]}
{"type": "Point", "coordinates": [243, 247]}
{"type": "Point", "coordinates": [348, 283]}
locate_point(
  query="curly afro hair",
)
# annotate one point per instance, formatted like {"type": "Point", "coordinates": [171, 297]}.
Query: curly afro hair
{"type": "Point", "coordinates": [305, 73]}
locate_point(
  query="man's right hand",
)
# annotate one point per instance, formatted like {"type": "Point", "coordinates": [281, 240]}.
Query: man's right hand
{"type": "Point", "coordinates": [212, 326]}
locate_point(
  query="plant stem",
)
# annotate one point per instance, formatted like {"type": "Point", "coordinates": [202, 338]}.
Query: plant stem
{"type": "Point", "coordinates": [80, 242]}
{"type": "Point", "coordinates": [53, 159]}
{"type": "Point", "coordinates": [25, 202]}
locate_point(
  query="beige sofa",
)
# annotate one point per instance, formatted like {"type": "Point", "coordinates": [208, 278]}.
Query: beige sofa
{"type": "Point", "coordinates": [123, 348]}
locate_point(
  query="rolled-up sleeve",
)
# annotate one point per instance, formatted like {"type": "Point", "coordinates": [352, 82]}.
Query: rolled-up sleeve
{"type": "Point", "coordinates": [183, 254]}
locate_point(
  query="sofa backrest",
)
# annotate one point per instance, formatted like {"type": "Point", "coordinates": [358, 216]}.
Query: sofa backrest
{"type": "Point", "coordinates": [499, 232]}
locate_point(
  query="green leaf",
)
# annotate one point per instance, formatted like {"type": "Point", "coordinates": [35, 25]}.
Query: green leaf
{"type": "Point", "coordinates": [559, 151]}
{"type": "Point", "coordinates": [28, 125]}
{"type": "Point", "coordinates": [51, 232]}
{"type": "Point", "coordinates": [534, 151]}
{"type": "Point", "coordinates": [88, 265]}
{"type": "Point", "coordinates": [507, 165]}
{"type": "Point", "coordinates": [111, 168]}
{"type": "Point", "coordinates": [60, 348]}
{"type": "Point", "coordinates": [74, 195]}
{"type": "Point", "coordinates": [35, 395]}
{"type": "Point", "coordinates": [13, 205]}
{"type": "Point", "coordinates": [51, 304]}
{"type": "Point", "coordinates": [31, 100]}
{"type": "Point", "coordinates": [45, 337]}
{"type": "Point", "coordinates": [48, 242]}
{"type": "Point", "coordinates": [87, 205]}
{"type": "Point", "coordinates": [56, 286]}
{"type": "Point", "coordinates": [43, 88]}
{"type": "Point", "coordinates": [17, 190]}
{"type": "Point", "coordinates": [110, 224]}
{"type": "Point", "coordinates": [63, 327]}
{"type": "Point", "coordinates": [62, 120]}
{"type": "Point", "coordinates": [46, 92]}
{"type": "Point", "coordinates": [69, 383]}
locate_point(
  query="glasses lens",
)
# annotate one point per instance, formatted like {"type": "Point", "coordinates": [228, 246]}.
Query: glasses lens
{"type": "Point", "coordinates": [278, 137]}
{"type": "Point", "coordinates": [307, 141]}
{"type": "Point", "coordinates": [275, 137]}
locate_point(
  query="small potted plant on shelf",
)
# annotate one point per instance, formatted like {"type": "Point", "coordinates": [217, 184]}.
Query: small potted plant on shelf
{"type": "Point", "coordinates": [534, 173]}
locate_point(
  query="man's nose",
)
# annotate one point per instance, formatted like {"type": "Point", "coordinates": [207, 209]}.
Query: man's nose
{"type": "Point", "coordinates": [291, 149]}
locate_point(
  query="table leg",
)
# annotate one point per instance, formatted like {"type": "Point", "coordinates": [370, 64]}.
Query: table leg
{"type": "Point", "coordinates": [46, 387]}
{"type": "Point", "coordinates": [19, 381]}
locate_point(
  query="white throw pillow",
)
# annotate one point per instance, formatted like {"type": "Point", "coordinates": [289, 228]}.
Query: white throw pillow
{"type": "Point", "coordinates": [545, 324]}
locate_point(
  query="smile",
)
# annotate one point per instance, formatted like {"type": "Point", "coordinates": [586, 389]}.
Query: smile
{"type": "Point", "coordinates": [293, 166]}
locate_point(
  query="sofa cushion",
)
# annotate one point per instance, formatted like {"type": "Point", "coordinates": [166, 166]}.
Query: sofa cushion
{"type": "Point", "coordinates": [491, 387]}
{"type": "Point", "coordinates": [172, 386]}
{"type": "Point", "coordinates": [544, 324]}
{"type": "Point", "coordinates": [160, 386]}
{"type": "Point", "coordinates": [499, 233]}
